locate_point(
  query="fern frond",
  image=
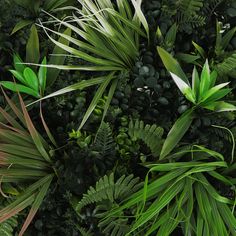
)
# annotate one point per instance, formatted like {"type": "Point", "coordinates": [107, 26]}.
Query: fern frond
{"type": "Point", "coordinates": [193, 20]}
{"type": "Point", "coordinates": [151, 135]}
{"type": "Point", "coordinates": [83, 231]}
{"type": "Point", "coordinates": [227, 65]}
{"type": "Point", "coordinates": [190, 7]}
{"type": "Point", "coordinates": [107, 189]}
{"type": "Point", "coordinates": [104, 142]}
{"type": "Point", "coordinates": [7, 227]}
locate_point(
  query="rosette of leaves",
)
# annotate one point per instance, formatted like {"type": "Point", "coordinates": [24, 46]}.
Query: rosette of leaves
{"type": "Point", "coordinates": [107, 39]}
{"type": "Point", "coordinates": [182, 196]}
{"type": "Point", "coordinates": [28, 81]}
{"type": "Point", "coordinates": [25, 161]}
{"type": "Point", "coordinates": [104, 38]}
{"type": "Point", "coordinates": [203, 93]}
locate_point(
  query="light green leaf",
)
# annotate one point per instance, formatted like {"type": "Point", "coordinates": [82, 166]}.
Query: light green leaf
{"type": "Point", "coordinates": [212, 91]}
{"type": "Point", "coordinates": [19, 76]}
{"type": "Point", "coordinates": [19, 88]}
{"type": "Point", "coordinates": [195, 83]}
{"type": "Point", "coordinates": [205, 80]}
{"type": "Point", "coordinates": [31, 79]}
{"type": "Point", "coordinates": [220, 106]}
{"type": "Point", "coordinates": [18, 63]}
{"type": "Point", "coordinates": [180, 83]}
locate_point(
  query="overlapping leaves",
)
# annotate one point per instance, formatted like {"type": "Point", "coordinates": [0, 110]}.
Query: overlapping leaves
{"type": "Point", "coordinates": [182, 196]}
{"type": "Point", "coordinates": [25, 160]}
{"type": "Point", "coordinates": [30, 83]}
{"type": "Point", "coordinates": [203, 93]}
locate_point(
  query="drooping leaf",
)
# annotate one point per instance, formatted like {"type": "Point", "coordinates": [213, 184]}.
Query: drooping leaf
{"type": "Point", "coordinates": [172, 65]}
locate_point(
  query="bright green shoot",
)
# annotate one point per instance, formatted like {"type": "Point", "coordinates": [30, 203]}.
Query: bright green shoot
{"type": "Point", "coordinates": [202, 93]}
{"type": "Point", "coordinates": [28, 81]}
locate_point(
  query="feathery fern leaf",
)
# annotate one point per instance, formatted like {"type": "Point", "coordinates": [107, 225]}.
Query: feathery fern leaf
{"type": "Point", "coordinates": [107, 189]}
{"type": "Point", "coordinates": [7, 227]}
{"type": "Point", "coordinates": [193, 20]}
{"type": "Point", "coordinates": [106, 195]}
{"type": "Point", "coordinates": [190, 6]}
{"type": "Point", "coordinates": [227, 65]}
{"type": "Point", "coordinates": [151, 135]}
{"type": "Point", "coordinates": [104, 142]}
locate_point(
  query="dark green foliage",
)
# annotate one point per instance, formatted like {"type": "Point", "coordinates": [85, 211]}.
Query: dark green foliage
{"type": "Point", "coordinates": [126, 141]}
{"type": "Point", "coordinates": [151, 135]}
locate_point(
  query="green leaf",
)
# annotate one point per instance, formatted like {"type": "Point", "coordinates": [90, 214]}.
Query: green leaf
{"type": "Point", "coordinates": [109, 98]}
{"type": "Point", "coordinates": [172, 65]}
{"type": "Point", "coordinates": [33, 132]}
{"type": "Point", "coordinates": [187, 58]}
{"type": "Point", "coordinates": [216, 96]}
{"type": "Point", "coordinates": [18, 63]}
{"type": "Point", "coordinates": [199, 49]}
{"type": "Point", "coordinates": [178, 130]}
{"type": "Point", "coordinates": [140, 15]}
{"type": "Point", "coordinates": [227, 37]}
{"type": "Point", "coordinates": [195, 83]}
{"type": "Point", "coordinates": [32, 47]}
{"type": "Point", "coordinates": [205, 80]}
{"type": "Point", "coordinates": [77, 86]}
{"type": "Point", "coordinates": [19, 76]}
{"type": "Point", "coordinates": [52, 72]}
{"type": "Point", "coordinates": [171, 35]}
{"type": "Point", "coordinates": [19, 88]}
{"type": "Point", "coordinates": [211, 92]}
{"type": "Point", "coordinates": [220, 106]}
{"type": "Point", "coordinates": [180, 83]}
{"type": "Point", "coordinates": [42, 75]}
{"type": "Point", "coordinates": [31, 79]}
{"type": "Point", "coordinates": [20, 25]}
{"type": "Point", "coordinates": [35, 206]}
{"type": "Point", "coordinates": [96, 98]}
